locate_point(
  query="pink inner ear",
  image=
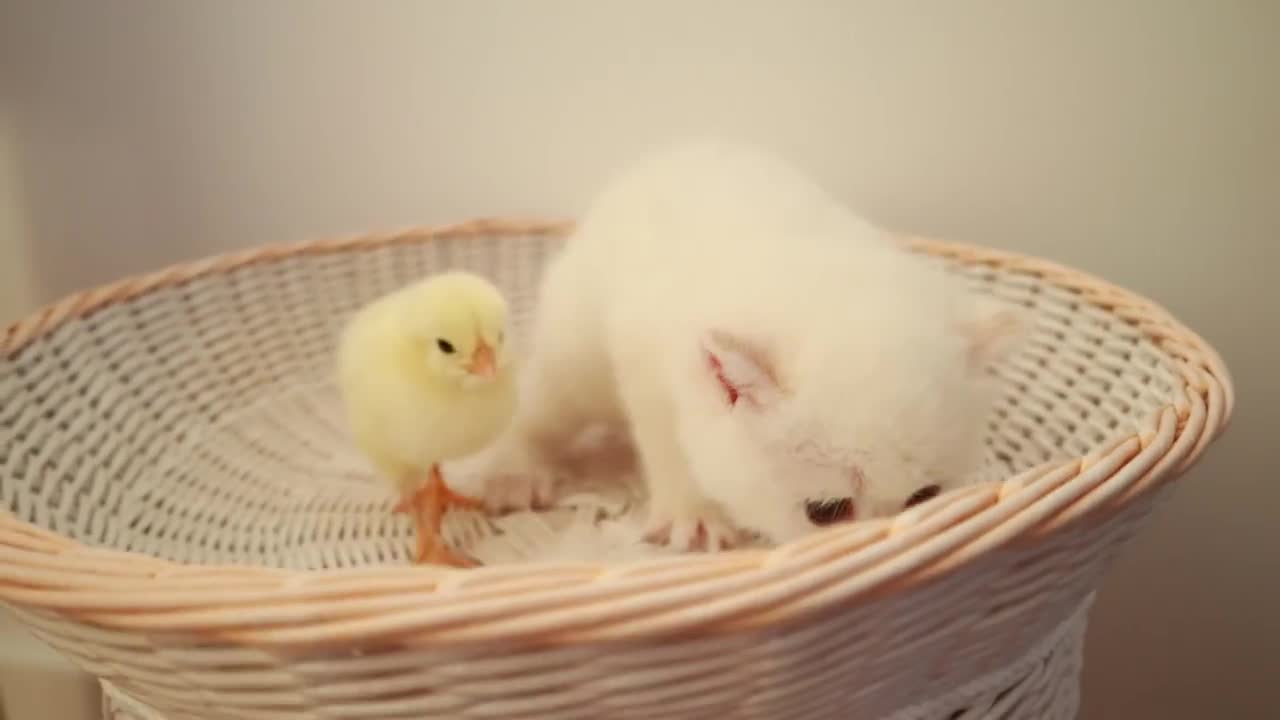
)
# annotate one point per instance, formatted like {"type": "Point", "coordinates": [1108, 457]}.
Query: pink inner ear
{"type": "Point", "coordinates": [742, 369]}
{"type": "Point", "coordinates": [718, 368]}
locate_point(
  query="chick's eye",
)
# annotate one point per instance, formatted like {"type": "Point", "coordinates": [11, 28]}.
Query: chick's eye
{"type": "Point", "coordinates": [445, 346]}
{"type": "Point", "coordinates": [925, 493]}
{"type": "Point", "coordinates": [829, 511]}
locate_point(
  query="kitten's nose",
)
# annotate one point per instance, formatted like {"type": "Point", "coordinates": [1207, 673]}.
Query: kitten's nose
{"type": "Point", "coordinates": [924, 494]}
{"type": "Point", "coordinates": [830, 511]}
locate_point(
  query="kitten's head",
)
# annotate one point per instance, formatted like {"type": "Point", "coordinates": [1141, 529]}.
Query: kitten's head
{"type": "Point", "coordinates": [847, 427]}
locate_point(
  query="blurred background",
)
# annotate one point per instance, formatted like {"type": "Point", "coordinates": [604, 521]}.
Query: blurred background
{"type": "Point", "coordinates": [1135, 139]}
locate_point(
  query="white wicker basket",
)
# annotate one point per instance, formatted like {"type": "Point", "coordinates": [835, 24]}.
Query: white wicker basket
{"type": "Point", "coordinates": [186, 520]}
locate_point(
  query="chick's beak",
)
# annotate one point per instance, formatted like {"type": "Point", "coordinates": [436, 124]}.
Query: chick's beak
{"type": "Point", "coordinates": [482, 361]}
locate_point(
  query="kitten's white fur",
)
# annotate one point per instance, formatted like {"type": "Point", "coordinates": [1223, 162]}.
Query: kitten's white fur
{"type": "Point", "coordinates": [860, 367]}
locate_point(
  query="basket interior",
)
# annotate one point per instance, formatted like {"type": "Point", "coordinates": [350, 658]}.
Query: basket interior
{"type": "Point", "coordinates": [198, 422]}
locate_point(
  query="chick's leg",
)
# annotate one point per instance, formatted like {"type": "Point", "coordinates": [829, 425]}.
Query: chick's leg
{"type": "Point", "coordinates": [411, 501]}
{"type": "Point", "coordinates": [431, 501]}
{"type": "Point", "coordinates": [447, 496]}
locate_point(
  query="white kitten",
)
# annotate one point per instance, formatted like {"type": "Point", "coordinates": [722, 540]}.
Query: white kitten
{"type": "Point", "coordinates": [771, 352]}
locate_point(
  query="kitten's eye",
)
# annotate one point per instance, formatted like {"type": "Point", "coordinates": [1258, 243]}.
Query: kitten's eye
{"type": "Point", "coordinates": [445, 346]}
{"type": "Point", "coordinates": [829, 511]}
{"type": "Point", "coordinates": [923, 494]}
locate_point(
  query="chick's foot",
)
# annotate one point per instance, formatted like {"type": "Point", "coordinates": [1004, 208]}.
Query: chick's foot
{"type": "Point", "coordinates": [429, 503]}
{"type": "Point", "coordinates": [436, 552]}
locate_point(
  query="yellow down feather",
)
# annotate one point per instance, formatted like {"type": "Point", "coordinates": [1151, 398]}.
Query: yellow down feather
{"type": "Point", "coordinates": [405, 371]}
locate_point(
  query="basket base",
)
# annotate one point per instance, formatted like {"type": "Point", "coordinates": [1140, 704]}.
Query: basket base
{"type": "Point", "coordinates": [1044, 684]}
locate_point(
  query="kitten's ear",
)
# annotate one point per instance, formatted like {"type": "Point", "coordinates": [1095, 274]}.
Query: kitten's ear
{"type": "Point", "coordinates": [993, 331]}
{"type": "Point", "coordinates": [743, 369]}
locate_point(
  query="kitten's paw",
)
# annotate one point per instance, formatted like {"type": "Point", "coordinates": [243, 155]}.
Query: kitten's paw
{"type": "Point", "coordinates": [692, 526]}
{"type": "Point", "coordinates": [507, 491]}
{"type": "Point", "coordinates": [514, 479]}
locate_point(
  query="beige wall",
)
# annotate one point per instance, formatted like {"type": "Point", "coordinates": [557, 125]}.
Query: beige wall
{"type": "Point", "coordinates": [1137, 139]}
{"type": "Point", "coordinates": [16, 288]}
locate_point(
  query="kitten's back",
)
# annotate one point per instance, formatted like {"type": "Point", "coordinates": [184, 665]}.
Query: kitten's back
{"type": "Point", "coordinates": [725, 194]}
{"type": "Point", "coordinates": [717, 232]}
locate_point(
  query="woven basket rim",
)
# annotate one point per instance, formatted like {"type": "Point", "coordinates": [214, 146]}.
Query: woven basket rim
{"type": "Point", "coordinates": [566, 602]}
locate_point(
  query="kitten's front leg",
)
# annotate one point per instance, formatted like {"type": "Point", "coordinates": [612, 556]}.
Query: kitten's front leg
{"type": "Point", "coordinates": [684, 519]}
{"type": "Point", "coordinates": [516, 478]}
{"type": "Point", "coordinates": [679, 515]}
{"type": "Point", "coordinates": [564, 389]}
{"type": "Point", "coordinates": [520, 472]}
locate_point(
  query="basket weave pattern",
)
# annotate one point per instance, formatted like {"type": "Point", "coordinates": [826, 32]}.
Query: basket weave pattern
{"type": "Point", "coordinates": [185, 519]}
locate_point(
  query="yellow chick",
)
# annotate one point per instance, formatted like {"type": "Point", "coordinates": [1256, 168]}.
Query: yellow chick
{"type": "Point", "coordinates": [425, 377]}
